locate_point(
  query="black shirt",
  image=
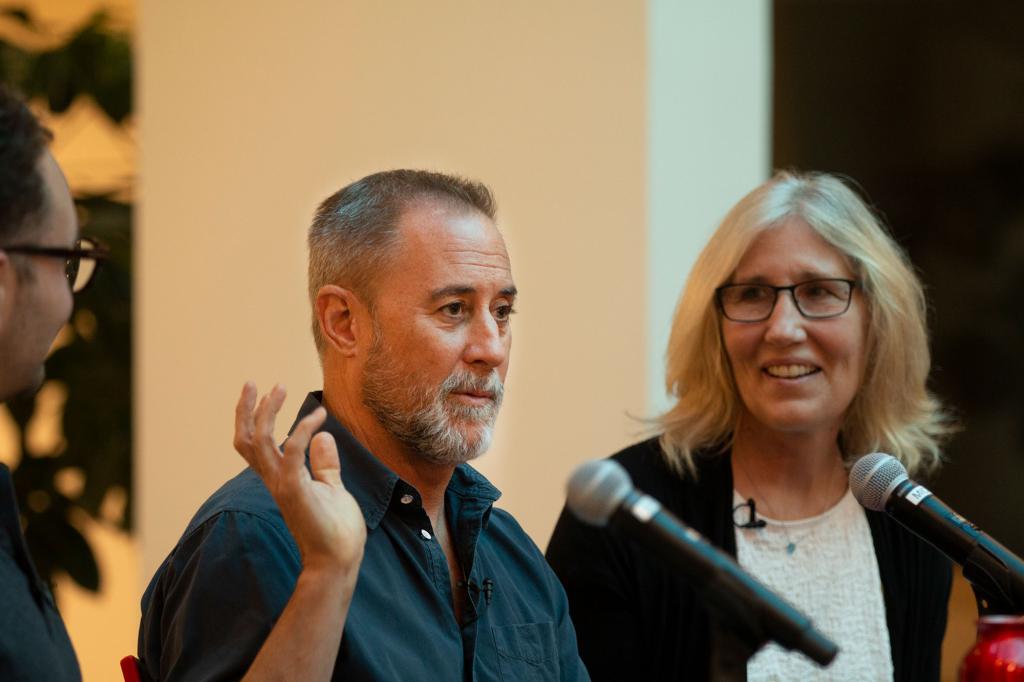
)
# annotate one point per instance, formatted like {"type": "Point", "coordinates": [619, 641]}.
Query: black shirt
{"type": "Point", "coordinates": [638, 619]}
{"type": "Point", "coordinates": [214, 600]}
{"type": "Point", "coordinates": [33, 642]}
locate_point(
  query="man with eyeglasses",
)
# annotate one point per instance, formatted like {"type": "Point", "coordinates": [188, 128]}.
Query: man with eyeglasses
{"type": "Point", "coordinates": [42, 263]}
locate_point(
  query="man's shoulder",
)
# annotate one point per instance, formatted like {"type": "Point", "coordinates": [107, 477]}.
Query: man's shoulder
{"type": "Point", "coordinates": [239, 520]}
{"type": "Point", "coordinates": [243, 494]}
{"type": "Point", "coordinates": [503, 521]}
{"type": "Point", "coordinates": [239, 523]}
{"type": "Point", "coordinates": [507, 536]}
{"type": "Point", "coordinates": [221, 587]}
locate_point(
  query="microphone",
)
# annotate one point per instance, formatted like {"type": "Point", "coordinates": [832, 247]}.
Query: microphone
{"type": "Point", "coordinates": [880, 482]}
{"type": "Point", "coordinates": [601, 493]}
{"type": "Point", "coordinates": [752, 520]}
{"type": "Point", "coordinates": [486, 588]}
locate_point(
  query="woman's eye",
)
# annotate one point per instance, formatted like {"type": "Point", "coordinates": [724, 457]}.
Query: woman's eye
{"type": "Point", "coordinates": [821, 290]}
{"type": "Point", "coordinates": [751, 293]}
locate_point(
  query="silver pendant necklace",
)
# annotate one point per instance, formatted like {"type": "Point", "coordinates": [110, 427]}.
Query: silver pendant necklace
{"type": "Point", "coordinates": [791, 543]}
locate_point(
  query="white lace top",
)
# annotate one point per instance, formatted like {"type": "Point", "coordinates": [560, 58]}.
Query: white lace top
{"type": "Point", "coordinates": [826, 567]}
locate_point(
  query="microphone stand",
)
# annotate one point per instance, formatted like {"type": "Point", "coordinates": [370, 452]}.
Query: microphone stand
{"type": "Point", "coordinates": [734, 638]}
{"type": "Point", "coordinates": [730, 652]}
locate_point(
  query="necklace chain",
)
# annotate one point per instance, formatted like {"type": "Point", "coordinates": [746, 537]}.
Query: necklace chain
{"type": "Point", "coordinates": [791, 544]}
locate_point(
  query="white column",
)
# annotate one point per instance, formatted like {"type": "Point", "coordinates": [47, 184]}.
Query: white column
{"type": "Point", "coordinates": [709, 141]}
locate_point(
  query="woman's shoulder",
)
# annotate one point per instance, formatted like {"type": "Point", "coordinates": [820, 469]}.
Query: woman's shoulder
{"type": "Point", "coordinates": [904, 553]}
{"type": "Point", "coordinates": [648, 456]}
{"type": "Point", "coordinates": [648, 467]}
{"type": "Point", "coordinates": [642, 457]}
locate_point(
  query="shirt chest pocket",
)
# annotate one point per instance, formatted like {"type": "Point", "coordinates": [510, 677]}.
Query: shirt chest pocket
{"type": "Point", "coordinates": [526, 652]}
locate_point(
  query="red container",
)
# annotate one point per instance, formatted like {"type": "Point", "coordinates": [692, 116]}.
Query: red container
{"type": "Point", "coordinates": [998, 655]}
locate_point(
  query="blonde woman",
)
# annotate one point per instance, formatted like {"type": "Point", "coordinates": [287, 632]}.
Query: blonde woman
{"type": "Point", "coordinates": [798, 345]}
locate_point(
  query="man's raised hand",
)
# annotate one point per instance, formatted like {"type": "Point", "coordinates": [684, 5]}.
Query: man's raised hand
{"type": "Point", "coordinates": [321, 514]}
{"type": "Point", "coordinates": [327, 525]}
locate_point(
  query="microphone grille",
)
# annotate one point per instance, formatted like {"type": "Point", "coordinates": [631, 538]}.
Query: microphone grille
{"type": "Point", "coordinates": [596, 489]}
{"type": "Point", "coordinates": [873, 478]}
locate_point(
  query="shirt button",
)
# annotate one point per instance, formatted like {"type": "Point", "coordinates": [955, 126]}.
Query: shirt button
{"type": "Point", "coordinates": [425, 534]}
{"type": "Point", "coordinates": [406, 499]}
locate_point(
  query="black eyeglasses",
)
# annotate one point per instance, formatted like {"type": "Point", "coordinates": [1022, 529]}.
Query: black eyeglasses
{"type": "Point", "coordinates": [815, 299]}
{"type": "Point", "coordinates": [80, 262]}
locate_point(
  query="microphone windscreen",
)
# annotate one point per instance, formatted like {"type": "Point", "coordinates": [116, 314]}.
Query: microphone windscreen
{"type": "Point", "coordinates": [874, 477]}
{"type": "Point", "coordinates": [596, 489]}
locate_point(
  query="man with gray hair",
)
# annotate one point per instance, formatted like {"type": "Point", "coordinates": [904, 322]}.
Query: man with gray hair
{"type": "Point", "coordinates": [412, 297]}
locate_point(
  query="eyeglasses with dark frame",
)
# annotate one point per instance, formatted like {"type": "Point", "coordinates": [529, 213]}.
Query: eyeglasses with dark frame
{"type": "Point", "coordinates": [815, 299]}
{"type": "Point", "coordinates": [80, 261]}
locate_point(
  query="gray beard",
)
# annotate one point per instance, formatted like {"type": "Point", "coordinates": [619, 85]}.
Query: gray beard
{"type": "Point", "coordinates": [423, 418]}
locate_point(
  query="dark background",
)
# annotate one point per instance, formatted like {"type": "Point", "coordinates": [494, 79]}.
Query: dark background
{"type": "Point", "coordinates": [922, 103]}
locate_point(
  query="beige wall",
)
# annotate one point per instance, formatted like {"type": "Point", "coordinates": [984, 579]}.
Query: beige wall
{"type": "Point", "coordinates": [614, 139]}
{"type": "Point", "coordinates": [614, 142]}
{"type": "Point", "coordinates": [253, 112]}
{"type": "Point", "coordinates": [614, 134]}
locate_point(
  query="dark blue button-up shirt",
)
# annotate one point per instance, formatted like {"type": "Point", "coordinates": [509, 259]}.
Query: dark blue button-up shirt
{"type": "Point", "coordinates": [214, 600]}
{"type": "Point", "coordinates": [33, 642]}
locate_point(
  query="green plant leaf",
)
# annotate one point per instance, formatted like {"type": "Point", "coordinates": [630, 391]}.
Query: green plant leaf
{"type": "Point", "coordinates": [65, 549]}
{"type": "Point", "coordinates": [95, 61]}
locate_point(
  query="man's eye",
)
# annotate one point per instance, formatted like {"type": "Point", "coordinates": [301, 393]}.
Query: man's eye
{"type": "Point", "coordinates": [503, 312]}
{"type": "Point", "coordinates": [454, 309]}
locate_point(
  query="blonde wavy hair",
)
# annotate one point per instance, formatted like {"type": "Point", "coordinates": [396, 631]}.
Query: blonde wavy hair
{"type": "Point", "coordinates": [892, 412]}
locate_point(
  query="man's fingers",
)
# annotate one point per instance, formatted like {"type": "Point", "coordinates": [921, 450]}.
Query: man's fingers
{"type": "Point", "coordinates": [323, 459]}
{"type": "Point", "coordinates": [298, 441]}
{"type": "Point", "coordinates": [254, 441]}
{"type": "Point", "coordinates": [244, 425]}
{"type": "Point", "coordinates": [266, 413]}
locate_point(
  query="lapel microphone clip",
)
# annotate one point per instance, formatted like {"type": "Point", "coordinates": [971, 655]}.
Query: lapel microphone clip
{"type": "Point", "coordinates": [752, 520]}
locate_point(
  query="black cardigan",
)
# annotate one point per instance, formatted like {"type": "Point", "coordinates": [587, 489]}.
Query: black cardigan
{"type": "Point", "coordinates": [636, 619]}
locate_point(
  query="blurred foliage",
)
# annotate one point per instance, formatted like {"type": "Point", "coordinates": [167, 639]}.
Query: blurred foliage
{"type": "Point", "coordinates": [95, 61]}
{"type": "Point", "coordinates": [88, 470]}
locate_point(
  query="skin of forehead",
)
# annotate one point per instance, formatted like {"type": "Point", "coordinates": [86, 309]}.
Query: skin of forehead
{"type": "Point", "coordinates": [58, 207]}
{"type": "Point", "coordinates": [467, 239]}
{"type": "Point", "coordinates": [798, 265]}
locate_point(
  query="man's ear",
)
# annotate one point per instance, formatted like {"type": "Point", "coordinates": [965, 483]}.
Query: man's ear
{"type": "Point", "coordinates": [344, 319]}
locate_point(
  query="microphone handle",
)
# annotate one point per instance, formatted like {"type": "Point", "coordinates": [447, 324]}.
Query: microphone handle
{"type": "Point", "coordinates": [755, 613]}
{"type": "Point", "coordinates": [996, 573]}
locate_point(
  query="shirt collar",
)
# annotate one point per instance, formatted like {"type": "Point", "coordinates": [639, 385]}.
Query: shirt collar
{"type": "Point", "coordinates": [365, 476]}
{"type": "Point", "coordinates": [371, 483]}
{"type": "Point", "coordinates": [467, 482]}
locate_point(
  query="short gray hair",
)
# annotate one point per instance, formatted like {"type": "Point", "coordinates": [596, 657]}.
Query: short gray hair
{"type": "Point", "coordinates": [354, 230]}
